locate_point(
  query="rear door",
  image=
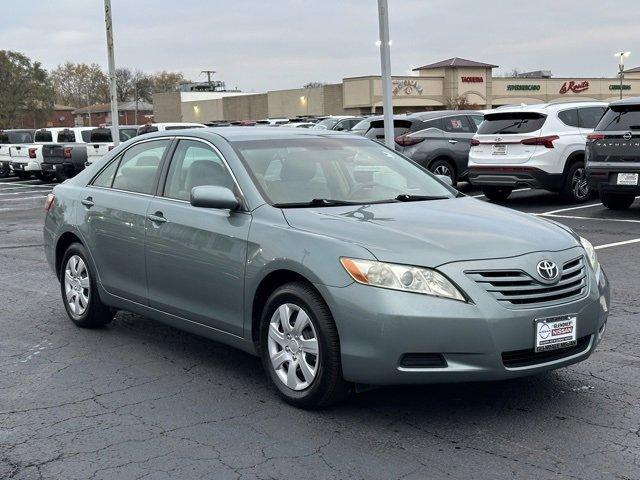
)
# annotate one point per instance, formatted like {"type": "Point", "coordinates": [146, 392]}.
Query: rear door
{"type": "Point", "coordinates": [501, 135]}
{"type": "Point", "coordinates": [617, 136]}
{"type": "Point", "coordinates": [196, 257]}
{"type": "Point", "coordinates": [113, 217]}
{"type": "Point", "coordinates": [458, 132]}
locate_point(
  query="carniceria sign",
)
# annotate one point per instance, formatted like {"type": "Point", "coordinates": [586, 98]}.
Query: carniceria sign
{"type": "Point", "coordinates": [617, 87]}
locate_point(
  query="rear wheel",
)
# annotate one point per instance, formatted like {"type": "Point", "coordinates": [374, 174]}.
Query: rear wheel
{"type": "Point", "coordinates": [444, 168]}
{"type": "Point", "coordinates": [496, 194]}
{"type": "Point", "coordinates": [576, 189]}
{"type": "Point", "coordinates": [79, 291]}
{"type": "Point", "coordinates": [44, 176]}
{"type": "Point", "coordinates": [23, 175]}
{"type": "Point", "coordinates": [300, 348]}
{"type": "Point", "coordinates": [4, 170]}
{"type": "Point", "coordinates": [617, 201]}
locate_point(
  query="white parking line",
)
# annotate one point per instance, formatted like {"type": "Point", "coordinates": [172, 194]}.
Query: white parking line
{"type": "Point", "coordinates": [572, 217]}
{"type": "Point", "coordinates": [18, 187]}
{"type": "Point", "coordinates": [21, 198]}
{"type": "Point", "coordinates": [617, 244]}
{"type": "Point", "coordinates": [517, 190]}
{"type": "Point", "coordinates": [571, 208]}
{"type": "Point", "coordinates": [21, 192]}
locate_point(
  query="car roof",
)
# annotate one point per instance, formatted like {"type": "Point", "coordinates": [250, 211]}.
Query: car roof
{"type": "Point", "coordinates": [546, 108]}
{"type": "Point", "coordinates": [626, 101]}
{"type": "Point", "coordinates": [232, 134]}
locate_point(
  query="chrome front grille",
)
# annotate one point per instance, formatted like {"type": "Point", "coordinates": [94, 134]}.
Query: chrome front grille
{"type": "Point", "coordinates": [516, 288]}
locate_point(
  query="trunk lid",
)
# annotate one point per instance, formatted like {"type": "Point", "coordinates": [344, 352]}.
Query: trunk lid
{"type": "Point", "coordinates": [617, 136]}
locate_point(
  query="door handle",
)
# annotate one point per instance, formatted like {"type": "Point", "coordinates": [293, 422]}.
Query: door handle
{"type": "Point", "coordinates": [452, 141]}
{"type": "Point", "coordinates": [157, 218]}
{"type": "Point", "coordinates": [87, 202]}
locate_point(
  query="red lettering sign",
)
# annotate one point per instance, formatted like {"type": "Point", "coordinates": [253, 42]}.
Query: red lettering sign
{"type": "Point", "coordinates": [472, 79]}
{"type": "Point", "coordinates": [575, 87]}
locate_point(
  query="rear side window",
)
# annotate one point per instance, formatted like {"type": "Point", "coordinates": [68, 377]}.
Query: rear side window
{"type": "Point", "coordinates": [590, 116]}
{"type": "Point", "coordinates": [139, 166]}
{"type": "Point", "coordinates": [476, 120]}
{"type": "Point", "coordinates": [67, 136]}
{"type": "Point", "coordinates": [456, 124]}
{"type": "Point", "coordinates": [511, 123]}
{"type": "Point", "coordinates": [127, 133]}
{"type": "Point", "coordinates": [620, 119]}
{"type": "Point", "coordinates": [436, 123]}
{"type": "Point", "coordinates": [43, 136]}
{"type": "Point", "coordinates": [105, 177]}
{"type": "Point", "coordinates": [362, 125]}
{"type": "Point", "coordinates": [569, 117]}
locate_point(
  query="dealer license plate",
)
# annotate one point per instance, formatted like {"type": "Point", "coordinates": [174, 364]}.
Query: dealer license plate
{"type": "Point", "coordinates": [627, 179]}
{"type": "Point", "coordinates": [555, 332]}
{"type": "Point", "coordinates": [500, 149]}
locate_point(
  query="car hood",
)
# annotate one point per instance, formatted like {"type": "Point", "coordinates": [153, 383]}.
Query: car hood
{"type": "Point", "coordinates": [431, 233]}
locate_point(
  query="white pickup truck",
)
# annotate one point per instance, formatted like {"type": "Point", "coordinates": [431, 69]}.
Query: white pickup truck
{"type": "Point", "coordinates": [8, 138]}
{"type": "Point", "coordinates": [26, 158]}
{"type": "Point", "coordinates": [101, 141]}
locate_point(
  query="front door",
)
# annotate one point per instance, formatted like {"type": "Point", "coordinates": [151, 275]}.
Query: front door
{"type": "Point", "coordinates": [196, 256]}
{"type": "Point", "coordinates": [114, 206]}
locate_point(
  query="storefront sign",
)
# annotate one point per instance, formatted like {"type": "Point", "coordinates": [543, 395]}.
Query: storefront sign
{"type": "Point", "coordinates": [472, 79]}
{"type": "Point", "coordinates": [617, 87]}
{"type": "Point", "coordinates": [406, 87]}
{"type": "Point", "coordinates": [575, 87]}
{"type": "Point", "coordinates": [519, 86]}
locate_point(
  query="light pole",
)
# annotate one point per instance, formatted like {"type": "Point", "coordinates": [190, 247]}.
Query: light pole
{"type": "Point", "coordinates": [385, 64]}
{"type": "Point", "coordinates": [621, 56]}
{"type": "Point", "coordinates": [115, 136]}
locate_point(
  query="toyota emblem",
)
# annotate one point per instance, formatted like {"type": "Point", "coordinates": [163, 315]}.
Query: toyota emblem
{"type": "Point", "coordinates": [627, 136]}
{"type": "Point", "coordinates": [547, 270]}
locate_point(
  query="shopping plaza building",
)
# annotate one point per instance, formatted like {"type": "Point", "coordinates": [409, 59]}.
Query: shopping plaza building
{"type": "Point", "coordinates": [435, 86]}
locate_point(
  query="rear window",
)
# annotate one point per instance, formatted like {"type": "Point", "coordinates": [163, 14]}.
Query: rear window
{"type": "Point", "coordinates": [16, 137]}
{"type": "Point", "coordinates": [100, 135]}
{"type": "Point", "coordinates": [147, 129]}
{"type": "Point", "coordinates": [620, 118]}
{"type": "Point", "coordinates": [400, 127]}
{"type": "Point", "coordinates": [66, 136]}
{"type": "Point", "coordinates": [86, 136]}
{"type": "Point", "coordinates": [127, 133]}
{"type": "Point", "coordinates": [511, 123]}
{"type": "Point", "coordinates": [43, 136]}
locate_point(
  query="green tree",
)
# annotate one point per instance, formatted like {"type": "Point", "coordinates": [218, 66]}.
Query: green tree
{"type": "Point", "coordinates": [80, 84]}
{"type": "Point", "coordinates": [25, 87]}
{"type": "Point", "coordinates": [166, 81]}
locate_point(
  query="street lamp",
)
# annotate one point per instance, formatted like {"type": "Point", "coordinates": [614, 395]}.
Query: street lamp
{"type": "Point", "coordinates": [621, 56]}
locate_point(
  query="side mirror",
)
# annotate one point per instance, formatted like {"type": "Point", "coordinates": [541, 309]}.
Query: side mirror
{"type": "Point", "coordinates": [208, 196]}
{"type": "Point", "coordinates": [446, 179]}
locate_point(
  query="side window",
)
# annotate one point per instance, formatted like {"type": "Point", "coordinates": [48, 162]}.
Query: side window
{"type": "Point", "coordinates": [456, 124]}
{"type": "Point", "coordinates": [589, 117]}
{"type": "Point", "coordinates": [195, 164]}
{"type": "Point", "coordinates": [437, 123]}
{"type": "Point", "coordinates": [569, 117]}
{"type": "Point", "coordinates": [86, 135]}
{"type": "Point", "coordinates": [139, 166]}
{"type": "Point", "coordinates": [105, 177]}
{"type": "Point", "coordinates": [342, 125]}
{"type": "Point", "coordinates": [476, 120]}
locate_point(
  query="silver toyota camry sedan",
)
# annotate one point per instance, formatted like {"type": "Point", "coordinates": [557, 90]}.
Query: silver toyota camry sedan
{"type": "Point", "coordinates": [335, 259]}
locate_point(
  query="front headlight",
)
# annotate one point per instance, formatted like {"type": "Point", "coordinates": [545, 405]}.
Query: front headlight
{"type": "Point", "coordinates": [591, 253]}
{"type": "Point", "coordinates": [401, 277]}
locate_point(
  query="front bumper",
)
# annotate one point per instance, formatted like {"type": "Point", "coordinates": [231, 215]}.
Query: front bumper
{"type": "Point", "coordinates": [378, 326]}
{"type": "Point", "coordinates": [514, 177]}
{"type": "Point", "coordinates": [26, 166]}
{"type": "Point", "coordinates": [604, 177]}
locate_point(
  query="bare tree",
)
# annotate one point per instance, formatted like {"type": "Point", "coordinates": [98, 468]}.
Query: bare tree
{"type": "Point", "coordinates": [313, 85]}
{"type": "Point", "coordinates": [461, 102]}
{"type": "Point", "coordinates": [166, 81]}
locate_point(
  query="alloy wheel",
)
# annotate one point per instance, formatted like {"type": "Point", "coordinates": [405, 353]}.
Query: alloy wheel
{"type": "Point", "coordinates": [443, 170]}
{"type": "Point", "coordinates": [579, 185]}
{"type": "Point", "coordinates": [76, 285]}
{"type": "Point", "coordinates": [293, 346]}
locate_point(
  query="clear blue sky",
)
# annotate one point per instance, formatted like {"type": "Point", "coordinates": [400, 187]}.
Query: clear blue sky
{"type": "Point", "coordinates": [271, 44]}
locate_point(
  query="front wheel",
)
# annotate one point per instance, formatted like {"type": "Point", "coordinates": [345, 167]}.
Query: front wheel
{"type": "Point", "coordinates": [444, 168]}
{"type": "Point", "coordinates": [617, 201]}
{"type": "Point", "coordinates": [79, 290]}
{"type": "Point", "coordinates": [496, 194]}
{"type": "Point", "coordinates": [300, 348]}
{"type": "Point", "coordinates": [576, 189]}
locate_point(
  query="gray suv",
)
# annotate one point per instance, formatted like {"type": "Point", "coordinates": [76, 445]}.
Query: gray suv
{"type": "Point", "coordinates": [438, 140]}
{"type": "Point", "coordinates": [613, 154]}
{"type": "Point", "coordinates": [332, 257]}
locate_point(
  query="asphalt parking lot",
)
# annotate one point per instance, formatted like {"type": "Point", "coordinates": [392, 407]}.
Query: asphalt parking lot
{"type": "Point", "coordinates": [141, 400]}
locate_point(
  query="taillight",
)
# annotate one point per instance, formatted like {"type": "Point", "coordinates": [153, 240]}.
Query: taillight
{"type": "Point", "coordinates": [32, 153]}
{"type": "Point", "coordinates": [48, 203]}
{"type": "Point", "coordinates": [593, 137]}
{"type": "Point", "coordinates": [475, 142]}
{"type": "Point", "coordinates": [406, 140]}
{"type": "Point", "coordinates": [546, 142]}
{"type": "Point", "coordinates": [66, 152]}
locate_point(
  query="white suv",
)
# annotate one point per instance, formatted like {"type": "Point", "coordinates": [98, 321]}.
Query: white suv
{"type": "Point", "coordinates": [538, 146]}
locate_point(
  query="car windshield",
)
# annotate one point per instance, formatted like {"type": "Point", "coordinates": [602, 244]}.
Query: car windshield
{"type": "Point", "coordinates": [326, 124]}
{"type": "Point", "coordinates": [333, 171]}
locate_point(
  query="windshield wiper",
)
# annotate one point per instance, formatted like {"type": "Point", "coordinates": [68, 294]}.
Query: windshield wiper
{"type": "Point", "coordinates": [316, 202]}
{"type": "Point", "coordinates": [405, 197]}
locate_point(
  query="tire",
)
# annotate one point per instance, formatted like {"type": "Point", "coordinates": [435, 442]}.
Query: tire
{"type": "Point", "coordinates": [61, 175]}
{"type": "Point", "coordinates": [445, 168]}
{"type": "Point", "coordinates": [576, 189]}
{"type": "Point", "coordinates": [44, 176]}
{"type": "Point", "coordinates": [75, 270]}
{"type": "Point", "coordinates": [5, 171]}
{"type": "Point", "coordinates": [617, 201]}
{"type": "Point", "coordinates": [496, 194]}
{"type": "Point", "coordinates": [317, 380]}
{"type": "Point", "coordinates": [22, 175]}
